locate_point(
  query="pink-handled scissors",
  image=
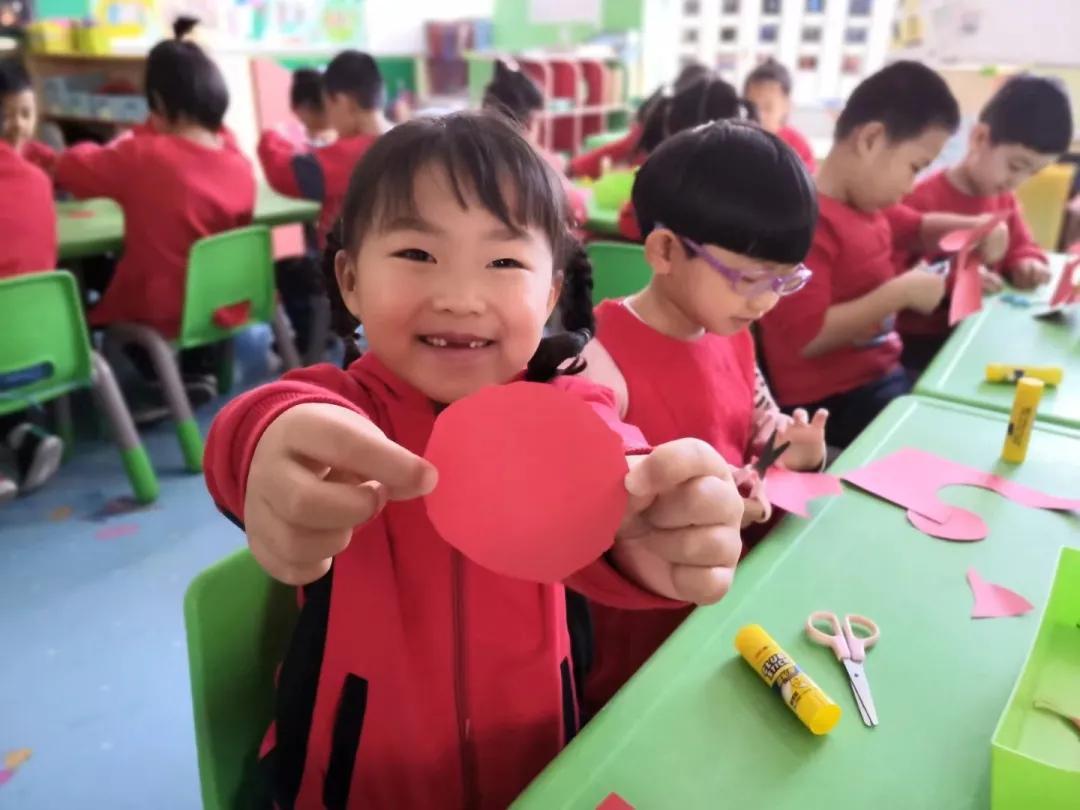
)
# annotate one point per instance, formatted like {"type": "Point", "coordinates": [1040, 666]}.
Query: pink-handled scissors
{"type": "Point", "coordinates": [850, 649]}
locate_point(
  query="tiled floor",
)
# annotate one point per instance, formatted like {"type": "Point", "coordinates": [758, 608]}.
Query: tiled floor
{"type": "Point", "coordinates": [93, 663]}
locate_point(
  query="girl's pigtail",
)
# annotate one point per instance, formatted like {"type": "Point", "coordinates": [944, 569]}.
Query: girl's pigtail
{"type": "Point", "coordinates": [576, 315]}
{"type": "Point", "coordinates": [342, 322]}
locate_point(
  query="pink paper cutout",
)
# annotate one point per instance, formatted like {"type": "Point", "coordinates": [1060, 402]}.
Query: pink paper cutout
{"type": "Point", "coordinates": [792, 491]}
{"type": "Point", "coordinates": [961, 526]}
{"type": "Point", "coordinates": [995, 601]}
{"type": "Point", "coordinates": [1065, 293]}
{"type": "Point", "coordinates": [967, 285]}
{"type": "Point", "coordinates": [117, 531]}
{"type": "Point", "coordinates": [614, 802]}
{"type": "Point", "coordinates": [912, 478]}
{"type": "Point", "coordinates": [531, 481]}
{"type": "Point", "coordinates": [6, 774]}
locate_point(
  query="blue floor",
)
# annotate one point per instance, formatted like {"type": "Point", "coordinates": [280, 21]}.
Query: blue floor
{"type": "Point", "coordinates": [93, 664]}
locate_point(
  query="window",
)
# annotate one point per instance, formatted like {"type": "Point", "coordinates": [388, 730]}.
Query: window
{"type": "Point", "coordinates": [855, 36]}
{"type": "Point", "coordinates": [815, 6]}
{"type": "Point", "coordinates": [730, 6]}
{"type": "Point", "coordinates": [691, 8]}
{"type": "Point", "coordinates": [728, 33]}
{"type": "Point", "coordinates": [811, 34]}
{"type": "Point", "coordinates": [807, 62]}
{"type": "Point", "coordinates": [769, 33]}
{"type": "Point", "coordinates": [851, 66]}
{"type": "Point", "coordinates": [860, 8]}
{"type": "Point", "coordinates": [689, 36]}
{"type": "Point", "coordinates": [770, 6]}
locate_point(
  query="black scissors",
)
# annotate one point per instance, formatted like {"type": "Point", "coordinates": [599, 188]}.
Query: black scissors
{"type": "Point", "coordinates": [769, 455]}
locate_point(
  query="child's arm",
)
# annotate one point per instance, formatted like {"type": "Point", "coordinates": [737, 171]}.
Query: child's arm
{"type": "Point", "coordinates": [1025, 262]}
{"type": "Point", "coordinates": [289, 172]}
{"type": "Point", "coordinates": [88, 170]}
{"type": "Point", "coordinates": [267, 456]}
{"type": "Point", "coordinates": [601, 369]}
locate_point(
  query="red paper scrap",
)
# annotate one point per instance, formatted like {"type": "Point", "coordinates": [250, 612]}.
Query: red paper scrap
{"type": "Point", "coordinates": [233, 315]}
{"type": "Point", "coordinates": [912, 479]}
{"type": "Point", "coordinates": [995, 601]}
{"type": "Point", "coordinates": [967, 284]}
{"type": "Point", "coordinates": [117, 531]}
{"type": "Point", "coordinates": [1065, 293]}
{"type": "Point", "coordinates": [961, 526]}
{"type": "Point", "coordinates": [531, 481]}
{"type": "Point", "coordinates": [792, 491]}
{"type": "Point", "coordinates": [6, 774]}
{"type": "Point", "coordinates": [614, 802]}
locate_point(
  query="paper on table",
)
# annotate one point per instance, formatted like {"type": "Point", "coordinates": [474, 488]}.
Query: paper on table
{"type": "Point", "coordinates": [614, 802]}
{"type": "Point", "coordinates": [531, 481]}
{"type": "Point", "coordinates": [912, 478]}
{"type": "Point", "coordinates": [961, 525]}
{"type": "Point", "coordinates": [995, 601]}
{"type": "Point", "coordinates": [792, 491]}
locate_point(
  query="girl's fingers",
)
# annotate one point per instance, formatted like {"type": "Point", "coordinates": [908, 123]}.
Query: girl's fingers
{"type": "Point", "coordinates": [302, 498]}
{"type": "Point", "coordinates": [800, 416]}
{"type": "Point", "coordinates": [821, 416]}
{"type": "Point", "coordinates": [701, 586]}
{"type": "Point", "coordinates": [703, 501]}
{"type": "Point", "coordinates": [706, 546]}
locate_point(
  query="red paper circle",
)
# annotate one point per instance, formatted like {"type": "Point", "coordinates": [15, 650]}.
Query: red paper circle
{"type": "Point", "coordinates": [531, 481]}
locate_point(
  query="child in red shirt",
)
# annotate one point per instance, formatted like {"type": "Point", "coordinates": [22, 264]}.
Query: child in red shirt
{"type": "Point", "coordinates": [729, 212]}
{"type": "Point", "coordinates": [768, 88]}
{"type": "Point", "coordinates": [175, 187]}
{"type": "Point", "coordinates": [354, 97]}
{"type": "Point", "coordinates": [19, 117]}
{"type": "Point", "coordinates": [28, 225]}
{"type": "Point", "coordinates": [1021, 130]}
{"type": "Point", "coordinates": [833, 346]}
{"type": "Point", "coordinates": [706, 99]}
{"type": "Point", "coordinates": [415, 677]}
{"type": "Point", "coordinates": [626, 151]}
{"type": "Point", "coordinates": [515, 95]}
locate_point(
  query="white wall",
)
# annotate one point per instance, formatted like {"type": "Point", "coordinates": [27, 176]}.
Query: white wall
{"type": "Point", "coordinates": [397, 26]}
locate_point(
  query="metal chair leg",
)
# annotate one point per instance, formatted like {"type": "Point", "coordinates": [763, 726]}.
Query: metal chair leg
{"type": "Point", "coordinates": [140, 471]}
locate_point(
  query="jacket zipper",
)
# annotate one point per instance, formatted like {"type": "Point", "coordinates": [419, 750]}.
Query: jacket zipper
{"type": "Point", "coordinates": [468, 777]}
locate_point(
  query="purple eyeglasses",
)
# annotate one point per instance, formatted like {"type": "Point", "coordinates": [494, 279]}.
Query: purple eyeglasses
{"type": "Point", "coordinates": [752, 287]}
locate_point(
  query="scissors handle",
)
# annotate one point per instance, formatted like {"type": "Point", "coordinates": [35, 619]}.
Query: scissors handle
{"type": "Point", "coordinates": [841, 636]}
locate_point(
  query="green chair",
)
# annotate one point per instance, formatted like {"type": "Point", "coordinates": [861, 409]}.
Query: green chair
{"type": "Point", "coordinates": [229, 287]}
{"type": "Point", "coordinates": [45, 353]}
{"type": "Point", "coordinates": [598, 139]}
{"type": "Point", "coordinates": [238, 624]}
{"type": "Point", "coordinates": [619, 269]}
{"type": "Point", "coordinates": [612, 190]}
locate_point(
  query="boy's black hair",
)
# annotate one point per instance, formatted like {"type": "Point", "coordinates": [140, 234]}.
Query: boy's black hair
{"type": "Point", "coordinates": [306, 89]}
{"type": "Point", "coordinates": [512, 93]}
{"type": "Point", "coordinates": [184, 25]}
{"type": "Point", "coordinates": [769, 71]}
{"type": "Point", "coordinates": [13, 78]}
{"type": "Point", "coordinates": [182, 81]}
{"type": "Point", "coordinates": [733, 185]}
{"type": "Point", "coordinates": [484, 156]}
{"type": "Point", "coordinates": [689, 74]}
{"type": "Point", "coordinates": [704, 100]}
{"type": "Point", "coordinates": [1031, 111]}
{"type": "Point", "coordinates": [356, 74]}
{"type": "Point", "coordinates": [907, 97]}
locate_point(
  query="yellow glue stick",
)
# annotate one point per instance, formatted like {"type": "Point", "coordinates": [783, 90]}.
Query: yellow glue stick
{"type": "Point", "coordinates": [1026, 402]}
{"type": "Point", "coordinates": [1000, 372]}
{"type": "Point", "coordinates": [804, 697]}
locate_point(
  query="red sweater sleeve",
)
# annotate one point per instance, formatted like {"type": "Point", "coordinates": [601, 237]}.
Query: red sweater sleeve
{"type": "Point", "coordinates": [89, 170]}
{"type": "Point", "coordinates": [1021, 244]}
{"type": "Point", "coordinates": [620, 151]}
{"type": "Point", "coordinates": [41, 155]}
{"type": "Point", "coordinates": [905, 223]}
{"type": "Point", "coordinates": [276, 155]}
{"type": "Point", "coordinates": [238, 428]}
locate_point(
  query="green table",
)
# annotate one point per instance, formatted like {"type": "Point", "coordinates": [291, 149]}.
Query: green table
{"type": "Point", "coordinates": [698, 729]}
{"type": "Point", "coordinates": [1003, 333]}
{"type": "Point", "coordinates": [93, 227]}
{"type": "Point", "coordinates": [603, 221]}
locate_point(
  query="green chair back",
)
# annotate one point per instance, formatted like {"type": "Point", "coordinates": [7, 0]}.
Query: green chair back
{"type": "Point", "coordinates": [612, 190]}
{"type": "Point", "coordinates": [238, 623]}
{"type": "Point", "coordinates": [226, 270]}
{"type": "Point", "coordinates": [44, 345]}
{"type": "Point", "coordinates": [598, 139]}
{"type": "Point", "coordinates": [619, 269]}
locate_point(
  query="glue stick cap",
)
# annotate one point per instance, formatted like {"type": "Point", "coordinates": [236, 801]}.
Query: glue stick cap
{"type": "Point", "coordinates": [817, 711]}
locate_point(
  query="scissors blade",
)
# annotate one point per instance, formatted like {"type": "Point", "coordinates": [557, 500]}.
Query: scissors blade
{"type": "Point", "coordinates": [861, 689]}
{"type": "Point", "coordinates": [769, 455]}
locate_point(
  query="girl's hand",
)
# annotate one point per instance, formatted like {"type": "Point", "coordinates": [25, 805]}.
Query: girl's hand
{"type": "Point", "coordinates": [756, 506]}
{"type": "Point", "coordinates": [992, 283]}
{"type": "Point", "coordinates": [318, 472]}
{"type": "Point", "coordinates": [680, 537]}
{"type": "Point", "coordinates": [1028, 274]}
{"type": "Point", "coordinates": [807, 437]}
